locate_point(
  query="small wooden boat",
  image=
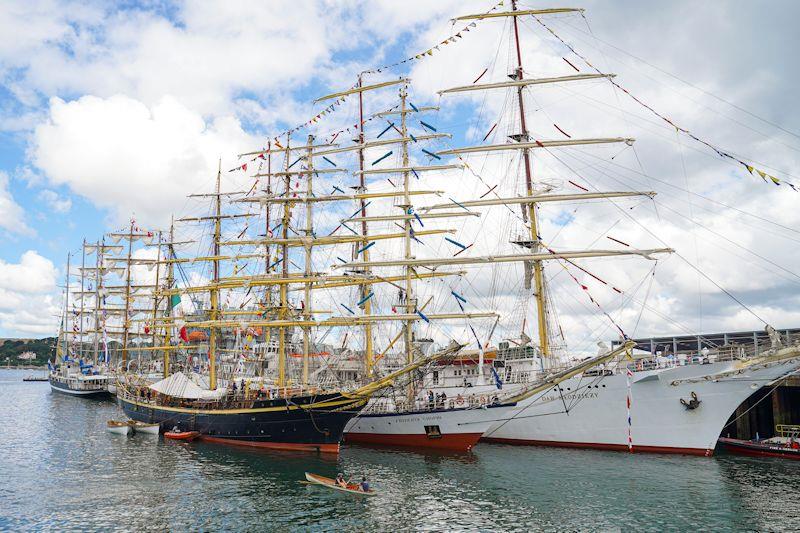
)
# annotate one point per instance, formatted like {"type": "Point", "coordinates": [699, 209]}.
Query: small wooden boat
{"type": "Point", "coordinates": [121, 428]}
{"type": "Point", "coordinates": [187, 436]}
{"type": "Point", "coordinates": [35, 378]}
{"type": "Point", "coordinates": [142, 427]}
{"type": "Point", "coordinates": [352, 488]}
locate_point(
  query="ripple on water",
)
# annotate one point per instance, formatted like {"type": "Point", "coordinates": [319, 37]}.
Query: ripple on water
{"type": "Point", "coordinates": [60, 469]}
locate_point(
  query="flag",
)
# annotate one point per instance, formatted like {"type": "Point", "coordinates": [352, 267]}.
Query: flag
{"type": "Point", "coordinates": [184, 334]}
{"type": "Point", "coordinates": [497, 381]}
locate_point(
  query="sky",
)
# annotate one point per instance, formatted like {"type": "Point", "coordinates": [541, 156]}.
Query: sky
{"type": "Point", "coordinates": [110, 111]}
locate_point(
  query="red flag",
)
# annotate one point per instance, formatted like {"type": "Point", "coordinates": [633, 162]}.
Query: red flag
{"type": "Point", "coordinates": [244, 167]}
{"type": "Point", "coordinates": [184, 334]}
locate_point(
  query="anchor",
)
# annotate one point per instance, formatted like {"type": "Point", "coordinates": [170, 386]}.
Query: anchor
{"type": "Point", "coordinates": [692, 404]}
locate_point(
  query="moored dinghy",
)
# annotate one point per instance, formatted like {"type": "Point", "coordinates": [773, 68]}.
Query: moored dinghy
{"type": "Point", "coordinates": [121, 428]}
{"type": "Point", "coordinates": [143, 427]}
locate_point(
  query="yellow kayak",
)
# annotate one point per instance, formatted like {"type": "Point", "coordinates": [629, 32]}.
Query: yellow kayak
{"type": "Point", "coordinates": [353, 488]}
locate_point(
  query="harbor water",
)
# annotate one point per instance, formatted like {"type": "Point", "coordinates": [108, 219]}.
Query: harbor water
{"type": "Point", "coordinates": [60, 470]}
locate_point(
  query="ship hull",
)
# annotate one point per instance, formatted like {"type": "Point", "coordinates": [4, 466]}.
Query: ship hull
{"type": "Point", "coordinates": [274, 424]}
{"type": "Point", "coordinates": [758, 449]}
{"type": "Point", "coordinates": [64, 388]}
{"type": "Point", "coordinates": [456, 429]}
{"type": "Point", "coordinates": [590, 412]}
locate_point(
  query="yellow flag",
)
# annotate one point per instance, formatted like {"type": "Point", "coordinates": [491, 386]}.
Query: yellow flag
{"type": "Point", "coordinates": [775, 180]}
{"type": "Point", "coordinates": [749, 168]}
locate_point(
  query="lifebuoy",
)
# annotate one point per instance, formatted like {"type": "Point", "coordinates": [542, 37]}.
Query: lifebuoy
{"type": "Point", "coordinates": [459, 400]}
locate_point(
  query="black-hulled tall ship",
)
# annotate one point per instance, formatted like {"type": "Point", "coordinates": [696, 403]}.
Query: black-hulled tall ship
{"type": "Point", "coordinates": [277, 398]}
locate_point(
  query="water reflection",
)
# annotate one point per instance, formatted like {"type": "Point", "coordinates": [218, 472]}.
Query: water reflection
{"type": "Point", "coordinates": [62, 470]}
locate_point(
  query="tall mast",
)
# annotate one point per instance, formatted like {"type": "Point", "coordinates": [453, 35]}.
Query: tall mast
{"type": "Point", "coordinates": [97, 278]}
{"type": "Point", "coordinates": [212, 338]}
{"type": "Point", "coordinates": [282, 309]}
{"type": "Point", "coordinates": [80, 317]}
{"type": "Point", "coordinates": [307, 285]}
{"type": "Point", "coordinates": [538, 271]}
{"type": "Point", "coordinates": [66, 308]}
{"type": "Point", "coordinates": [267, 222]}
{"type": "Point", "coordinates": [170, 277]}
{"type": "Point", "coordinates": [410, 300]}
{"type": "Point", "coordinates": [126, 318]}
{"type": "Point", "coordinates": [153, 335]}
{"type": "Point", "coordinates": [365, 290]}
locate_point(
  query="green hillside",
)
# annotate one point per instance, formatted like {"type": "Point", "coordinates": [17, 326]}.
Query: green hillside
{"type": "Point", "coordinates": [11, 349]}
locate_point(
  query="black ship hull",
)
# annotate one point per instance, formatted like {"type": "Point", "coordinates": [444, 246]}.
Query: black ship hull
{"type": "Point", "coordinates": [310, 423]}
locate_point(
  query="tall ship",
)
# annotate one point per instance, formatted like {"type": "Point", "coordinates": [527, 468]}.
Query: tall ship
{"type": "Point", "coordinates": [252, 380]}
{"type": "Point", "coordinates": [94, 336]}
{"type": "Point", "coordinates": [653, 400]}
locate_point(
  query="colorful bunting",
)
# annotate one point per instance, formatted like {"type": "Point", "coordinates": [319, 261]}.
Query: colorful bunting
{"type": "Point", "coordinates": [720, 152]}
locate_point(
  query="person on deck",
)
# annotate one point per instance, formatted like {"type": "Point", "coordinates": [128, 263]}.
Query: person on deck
{"type": "Point", "coordinates": [430, 399]}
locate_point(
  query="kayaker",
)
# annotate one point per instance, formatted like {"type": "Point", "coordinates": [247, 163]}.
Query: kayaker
{"type": "Point", "coordinates": [340, 480]}
{"type": "Point", "coordinates": [364, 484]}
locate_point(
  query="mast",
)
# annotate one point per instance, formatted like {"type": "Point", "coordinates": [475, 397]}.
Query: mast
{"type": "Point", "coordinates": [65, 326]}
{"type": "Point", "coordinates": [309, 234]}
{"type": "Point", "coordinates": [410, 302]}
{"type": "Point", "coordinates": [153, 335]}
{"type": "Point", "coordinates": [368, 354]}
{"type": "Point", "coordinates": [97, 278]}
{"type": "Point", "coordinates": [282, 309]}
{"type": "Point", "coordinates": [168, 312]}
{"type": "Point", "coordinates": [212, 338]}
{"type": "Point", "coordinates": [125, 320]}
{"type": "Point", "coordinates": [267, 222]}
{"type": "Point", "coordinates": [532, 215]}
{"type": "Point", "coordinates": [80, 319]}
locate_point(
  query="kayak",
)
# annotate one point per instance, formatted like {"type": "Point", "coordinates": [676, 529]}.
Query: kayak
{"type": "Point", "coordinates": [352, 488]}
{"type": "Point", "coordinates": [122, 428]}
{"type": "Point", "coordinates": [182, 435]}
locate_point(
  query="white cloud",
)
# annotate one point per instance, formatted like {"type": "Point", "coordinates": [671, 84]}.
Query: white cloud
{"type": "Point", "coordinates": [55, 202]}
{"type": "Point", "coordinates": [128, 158]}
{"type": "Point", "coordinates": [29, 301]}
{"type": "Point", "coordinates": [12, 215]}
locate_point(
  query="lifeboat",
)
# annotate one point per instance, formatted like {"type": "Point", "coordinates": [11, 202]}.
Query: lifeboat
{"type": "Point", "coordinates": [186, 436]}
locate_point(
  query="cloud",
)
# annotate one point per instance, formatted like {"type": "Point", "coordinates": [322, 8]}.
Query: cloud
{"type": "Point", "coordinates": [129, 158]}
{"type": "Point", "coordinates": [55, 202]}
{"type": "Point", "coordinates": [29, 301]}
{"type": "Point", "coordinates": [149, 97]}
{"type": "Point", "coordinates": [12, 215]}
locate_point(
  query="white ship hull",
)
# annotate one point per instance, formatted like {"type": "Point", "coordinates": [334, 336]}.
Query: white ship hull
{"type": "Point", "coordinates": [591, 412]}
{"type": "Point", "coordinates": [75, 388]}
{"type": "Point", "coordinates": [446, 429]}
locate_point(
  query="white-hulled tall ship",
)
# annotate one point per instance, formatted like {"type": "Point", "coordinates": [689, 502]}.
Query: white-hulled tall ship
{"type": "Point", "coordinates": [674, 404]}
{"type": "Point", "coordinates": [73, 372]}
